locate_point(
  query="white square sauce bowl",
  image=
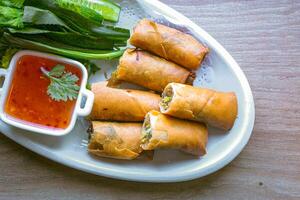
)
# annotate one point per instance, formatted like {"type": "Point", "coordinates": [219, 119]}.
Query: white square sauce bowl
{"type": "Point", "coordinates": [79, 106]}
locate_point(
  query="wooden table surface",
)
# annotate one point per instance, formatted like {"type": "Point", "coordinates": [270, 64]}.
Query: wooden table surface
{"type": "Point", "coordinates": [264, 38]}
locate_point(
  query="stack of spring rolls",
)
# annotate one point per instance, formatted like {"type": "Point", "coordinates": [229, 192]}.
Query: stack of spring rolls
{"type": "Point", "coordinates": [126, 122]}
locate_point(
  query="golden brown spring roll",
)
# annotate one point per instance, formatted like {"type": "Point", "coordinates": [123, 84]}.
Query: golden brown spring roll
{"type": "Point", "coordinates": [115, 140]}
{"type": "Point", "coordinates": [163, 131]}
{"type": "Point", "coordinates": [168, 43]}
{"type": "Point", "coordinates": [218, 109]}
{"type": "Point", "coordinates": [121, 104]}
{"type": "Point", "coordinates": [149, 71]}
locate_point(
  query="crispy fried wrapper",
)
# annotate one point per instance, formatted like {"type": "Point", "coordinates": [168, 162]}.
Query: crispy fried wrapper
{"type": "Point", "coordinates": [218, 109]}
{"type": "Point", "coordinates": [147, 70]}
{"type": "Point", "coordinates": [115, 140]}
{"type": "Point", "coordinates": [169, 43]}
{"type": "Point", "coordinates": [163, 131]}
{"type": "Point", "coordinates": [121, 104]}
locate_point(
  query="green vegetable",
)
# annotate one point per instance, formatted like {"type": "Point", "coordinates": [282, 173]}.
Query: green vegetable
{"type": "Point", "coordinates": [62, 85]}
{"type": "Point", "coordinates": [73, 39]}
{"type": "Point", "coordinates": [10, 17]}
{"type": "Point", "coordinates": [109, 10]}
{"type": "Point", "coordinates": [82, 7]}
{"type": "Point", "coordinates": [28, 31]}
{"type": "Point", "coordinates": [91, 9]}
{"type": "Point", "coordinates": [146, 133]}
{"type": "Point", "coordinates": [85, 26]}
{"type": "Point", "coordinates": [12, 3]}
{"type": "Point", "coordinates": [61, 49]}
{"type": "Point", "coordinates": [89, 86]}
{"type": "Point", "coordinates": [3, 46]}
{"type": "Point", "coordinates": [85, 41]}
{"type": "Point", "coordinates": [165, 101]}
{"type": "Point", "coordinates": [6, 57]}
{"type": "Point", "coordinates": [92, 68]}
{"type": "Point", "coordinates": [110, 32]}
{"type": "Point", "coordinates": [71, 28]}
{"type": "Point", "coordinates": [36, 16]}
{"type": "Point", "coordinates": [74, 22]}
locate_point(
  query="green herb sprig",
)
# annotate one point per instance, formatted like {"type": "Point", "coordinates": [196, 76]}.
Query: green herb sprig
{"type": "Point", "coordinates": [62, 85]}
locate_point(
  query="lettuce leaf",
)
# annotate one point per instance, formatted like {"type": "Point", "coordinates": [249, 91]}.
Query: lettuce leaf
{"type": "Point", "coordinates": [11, 17]}
{"type": "Point", "coordinates": [12, 3]}
{"type": "Point", "coordinates": [72, 22]}
{"type": "Point", "coordinates": [37, 16]}
{"type": "Point", "coordinates": [91, 8]}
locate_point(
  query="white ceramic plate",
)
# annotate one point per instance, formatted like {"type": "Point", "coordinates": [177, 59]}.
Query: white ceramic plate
{"type": "Point", "coordinates": [219, 71]}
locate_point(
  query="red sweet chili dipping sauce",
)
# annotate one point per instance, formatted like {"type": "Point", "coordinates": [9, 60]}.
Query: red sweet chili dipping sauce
{"type": "Point", "coordinates": [28, 100]}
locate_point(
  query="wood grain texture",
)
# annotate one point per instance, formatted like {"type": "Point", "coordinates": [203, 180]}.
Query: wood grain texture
{"type": "Point", "coordinates": [264, 38]}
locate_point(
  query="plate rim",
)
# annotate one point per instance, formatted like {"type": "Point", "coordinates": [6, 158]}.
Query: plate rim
{"type": "Point", "coordinates": [232, 153]}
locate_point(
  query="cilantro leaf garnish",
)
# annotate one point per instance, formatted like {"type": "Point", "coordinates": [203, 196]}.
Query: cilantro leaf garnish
{"type": "Point", "coordinates": [57, 71]}
{"type": "Point", "coordinates": [62, 84]}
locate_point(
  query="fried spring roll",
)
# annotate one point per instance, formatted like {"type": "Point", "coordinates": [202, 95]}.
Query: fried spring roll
{"type": "Point", "coordinates": [121, 104]}
{"type": "Point", "coordinates": [163, 131]}
{"type": "Point", "coordinates": [149, 71]}
{"type": "Point", "coordinates": [168, 43]}
{"type": "Point", "coordinates": [218, 109]}
{"type": "Point", "coordinates": [115, 140]}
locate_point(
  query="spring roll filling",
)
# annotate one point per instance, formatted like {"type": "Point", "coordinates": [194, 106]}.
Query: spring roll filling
{"type": "Point", "coordinates": [96, 146]}
{"type": "Point", "coordinates": [167, 97]}
{"type": "Point", "coordinates": [146, 131]}
{"type": "Point", "coordinates": [90, 130]}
